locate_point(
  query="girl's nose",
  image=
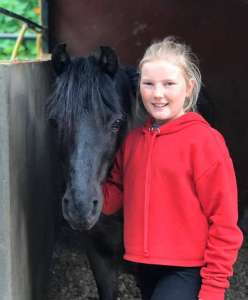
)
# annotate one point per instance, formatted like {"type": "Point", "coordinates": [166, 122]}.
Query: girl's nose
{"type": "Point", "coordinates": [158, 91]}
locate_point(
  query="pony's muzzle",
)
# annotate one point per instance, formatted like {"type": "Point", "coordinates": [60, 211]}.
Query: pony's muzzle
{"type": "Point", "coordinates": [79, 216]}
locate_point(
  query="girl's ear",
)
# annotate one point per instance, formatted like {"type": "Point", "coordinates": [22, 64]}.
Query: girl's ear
{"type": "Point", "coordinates": [60, 58]}
{"type": "Point", "coordinates": [190, 86]}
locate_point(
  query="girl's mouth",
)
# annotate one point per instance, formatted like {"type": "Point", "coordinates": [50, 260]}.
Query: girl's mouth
{"type": "Point", "coordinates": [159, 105]}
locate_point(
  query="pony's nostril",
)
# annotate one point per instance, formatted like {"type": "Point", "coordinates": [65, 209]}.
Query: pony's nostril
{"type": "Point", "coordinates": [94, 208]}
{"type": "Point", "coordinates": [66, 201]}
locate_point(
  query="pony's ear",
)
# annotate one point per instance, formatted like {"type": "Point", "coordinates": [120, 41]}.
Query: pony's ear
{"type": "Point", "coordinates": [205, 106]}
{"type": "Point", "coordinates": [107, 59]}
{"type": "Point", "coordinates": [60, 58]}
{"type": "Point", "coordinates": [133, 76]}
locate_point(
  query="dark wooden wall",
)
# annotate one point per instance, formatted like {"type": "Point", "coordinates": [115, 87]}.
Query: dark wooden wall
{"type": "Point", "coordinates": [216, 30]}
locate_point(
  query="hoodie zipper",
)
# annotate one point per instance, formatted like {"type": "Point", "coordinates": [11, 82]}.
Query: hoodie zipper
{"type": "Point", "coordinates": [153, 131]}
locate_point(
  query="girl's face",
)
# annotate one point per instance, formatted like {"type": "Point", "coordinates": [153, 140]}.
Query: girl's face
{"type": "Point", "coordinates": [163, 89]}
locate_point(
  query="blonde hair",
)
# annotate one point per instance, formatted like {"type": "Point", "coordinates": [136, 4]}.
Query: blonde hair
{"type": "Point", "coordinates": [180, 54]}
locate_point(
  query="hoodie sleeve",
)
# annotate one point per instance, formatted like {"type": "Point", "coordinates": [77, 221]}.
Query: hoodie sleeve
{"type": "Point", "coordinates": [113, 187]}
{"type": "Point", "coordinates": [217, 191]}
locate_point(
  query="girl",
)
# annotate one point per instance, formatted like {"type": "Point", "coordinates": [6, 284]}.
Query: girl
{"type": "Point", "coordinates": [175, 180]}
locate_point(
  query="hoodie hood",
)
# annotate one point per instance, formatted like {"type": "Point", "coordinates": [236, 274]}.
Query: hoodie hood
{"type": "Point", "coordinates": [186, 120]}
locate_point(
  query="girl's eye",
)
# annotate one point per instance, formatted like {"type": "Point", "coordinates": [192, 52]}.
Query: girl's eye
{"type": "Point", "coordinates": [169, 83]}
{"type": "Point", "coordinates": [147, 83]}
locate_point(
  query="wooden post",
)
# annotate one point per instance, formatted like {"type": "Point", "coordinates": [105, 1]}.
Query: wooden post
{"type": "Point", "coordinates": [18, 42]}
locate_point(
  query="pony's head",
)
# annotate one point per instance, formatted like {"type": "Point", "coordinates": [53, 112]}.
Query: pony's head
{"type": "Point", "coordinates": [90, 105]}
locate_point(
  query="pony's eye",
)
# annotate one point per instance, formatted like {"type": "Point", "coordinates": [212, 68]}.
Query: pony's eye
{"type": "Point", "coordinates": [53, 122]}
{"type": "Point", "coordinates": [116, 125]}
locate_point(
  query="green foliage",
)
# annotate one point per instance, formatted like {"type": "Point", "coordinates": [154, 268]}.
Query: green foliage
{"type": "Point", "coordinates": [9, 25]}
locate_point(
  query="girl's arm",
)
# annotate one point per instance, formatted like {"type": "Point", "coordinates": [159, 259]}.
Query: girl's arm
{"type": "Point", "coordinates": [217, 191]}
{"type": "Point", "coordinates": [113, 187]}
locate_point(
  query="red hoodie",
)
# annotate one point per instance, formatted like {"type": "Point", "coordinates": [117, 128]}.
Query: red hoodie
{"type": "Point", "coordinates": [178, 191]}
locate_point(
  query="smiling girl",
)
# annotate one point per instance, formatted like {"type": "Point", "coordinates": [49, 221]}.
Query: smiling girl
{"type": "Point", "coordinates": [174, 179]}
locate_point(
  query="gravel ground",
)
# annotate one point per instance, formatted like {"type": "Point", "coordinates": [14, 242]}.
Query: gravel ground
{"type": "Point", "coordinates": [71, 278]}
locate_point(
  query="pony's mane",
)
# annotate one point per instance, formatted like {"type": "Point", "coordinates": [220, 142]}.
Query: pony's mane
{"type": "Point", "coordinates": [83, 88]}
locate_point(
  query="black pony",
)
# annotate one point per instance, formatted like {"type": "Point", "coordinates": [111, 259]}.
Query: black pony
{"type": "Point", "coordinates": [91, 107]}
